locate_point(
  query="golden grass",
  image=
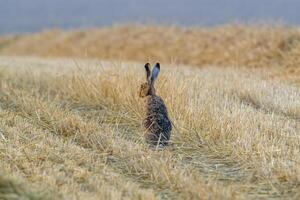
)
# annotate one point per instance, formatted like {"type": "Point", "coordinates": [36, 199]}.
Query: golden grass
{"type": "Point", "coordinates": [11, 189]}
{"type": "Point", "coordinates": [74, 126]}
{"type": "Point", "coordinates": [234, 45]}
{"type": "Point", "coordinates": [257, 45]}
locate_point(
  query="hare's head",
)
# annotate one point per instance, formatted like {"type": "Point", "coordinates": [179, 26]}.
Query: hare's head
{"type": "Point", "coordinates": [147, 88]}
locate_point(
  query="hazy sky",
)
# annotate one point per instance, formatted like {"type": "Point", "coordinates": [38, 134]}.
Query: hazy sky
{"type": "Point", "coordinates": [32, 15]}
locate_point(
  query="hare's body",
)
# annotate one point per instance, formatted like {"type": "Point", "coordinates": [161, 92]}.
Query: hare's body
{"type": "Point", "coordinates": [157, 123]}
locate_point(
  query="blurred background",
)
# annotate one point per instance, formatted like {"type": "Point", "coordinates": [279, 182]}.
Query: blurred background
{"type": "Point", "coordinates": [25, 16]}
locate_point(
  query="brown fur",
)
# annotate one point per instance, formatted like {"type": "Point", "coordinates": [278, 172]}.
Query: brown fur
{"type": "Point", "coordinates": [157, 123]}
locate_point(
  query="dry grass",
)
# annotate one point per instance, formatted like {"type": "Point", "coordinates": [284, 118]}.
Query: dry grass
{"type": "Point", "coordinates": [249, 46]}
{"type": "Point", "coordinates": [234, 45]}
{"type": "Point", "coordinates": [75, 127]}
{"type": "Point", "coordinates": [11, 189]}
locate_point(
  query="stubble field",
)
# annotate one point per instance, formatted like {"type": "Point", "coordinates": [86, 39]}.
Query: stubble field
{"type": "Point", "coordinates": [71, 127]}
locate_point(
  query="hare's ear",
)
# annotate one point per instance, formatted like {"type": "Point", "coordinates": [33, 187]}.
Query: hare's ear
{"type": "Point", "coordinates": [155, 73]}
{"type": "Point", "coordinates": [148, 72]}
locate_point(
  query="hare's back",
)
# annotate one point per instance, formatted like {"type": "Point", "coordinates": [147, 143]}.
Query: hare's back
{"type": "Point", "coordinates": [157, 121]}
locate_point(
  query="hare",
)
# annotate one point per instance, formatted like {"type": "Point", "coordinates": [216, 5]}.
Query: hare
{"type": "Point", "coordinates": [157, 123]}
